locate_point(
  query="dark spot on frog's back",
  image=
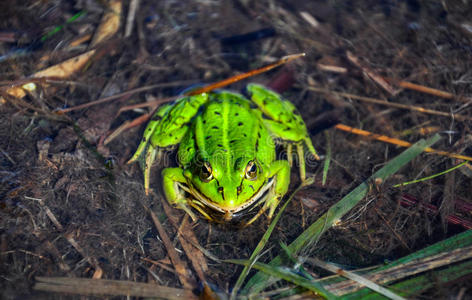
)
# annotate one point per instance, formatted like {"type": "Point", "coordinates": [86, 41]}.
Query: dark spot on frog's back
{"type": "Point", "coordinates": [215, 127]}
{"type": "Point", "coordinates": [236, 114]}
{"type": "Point", "coordinates": [240, 124]}
{"type": "Point", "coordinates": [217, 113]}
{"type": "Point", "coordinates": [208, 137]}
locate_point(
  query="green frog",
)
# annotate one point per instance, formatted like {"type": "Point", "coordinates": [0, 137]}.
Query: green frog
{"type": "Point", "coordinates": [227, 151]}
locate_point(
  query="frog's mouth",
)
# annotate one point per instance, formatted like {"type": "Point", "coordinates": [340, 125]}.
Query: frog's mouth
{"type": "Point", "coordinates": [213, 212]}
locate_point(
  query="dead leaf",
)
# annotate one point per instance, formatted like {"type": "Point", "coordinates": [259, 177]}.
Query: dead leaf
{"type": "Point", "coordinates": [110, 22]}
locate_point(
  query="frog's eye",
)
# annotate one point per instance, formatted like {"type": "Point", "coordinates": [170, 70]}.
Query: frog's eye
{"type": "Point", "coordinates": [205, 172]}
{"type": "Point", "coordinates": [251, 170]}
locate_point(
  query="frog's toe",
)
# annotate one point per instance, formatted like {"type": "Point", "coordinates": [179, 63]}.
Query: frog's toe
{"type": "Point", "coordinates": [308, 181]}
{"type": "Point", "coordinates": [311, 148]}
{"type": "Point", "coordinates": [273, 205]}
{"type": "Point", "coordinates": [183, 205]}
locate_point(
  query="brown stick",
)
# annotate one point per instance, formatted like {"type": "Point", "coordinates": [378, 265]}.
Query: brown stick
{"type": "Point", "coordinates": [188, 240]}
{"type": "Point", "coordinates": [85, 286]}
{"type": "Point", "coordinates": [391, 104]}
{"type": "Point", "coordinates": [180, 266]}
{"type": "Point", "coordinates": [431, 91]}
{"type": "Point", "coordinates": [397, 142]}
{"type": "Point", "coordinates": [242, 76]}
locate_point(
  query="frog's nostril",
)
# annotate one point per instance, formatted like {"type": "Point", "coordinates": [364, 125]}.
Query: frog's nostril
{"type": "Point", "coordinates": [220, 189]}
{"type": "Point", "coordinates": [239, 190]}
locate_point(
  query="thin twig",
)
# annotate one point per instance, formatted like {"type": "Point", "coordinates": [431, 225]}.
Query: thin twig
{"type": "Point", "coordinates": [397, 142]}
{"type": "Point", "coordinates": [133, 91]}
{"type": "Point", "coordinates": [391, 104]}
{"type": "Point", "coordinates": [179, 265]}
{"type": "Point", "coordinates": [431, 91]}
{"type": "Point", "coordinates": [404, 270]}
{"type": "Point", "coordinates": [86, 286]}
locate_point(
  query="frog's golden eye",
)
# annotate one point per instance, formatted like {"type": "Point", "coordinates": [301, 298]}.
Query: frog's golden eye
{"type": "Point", "coordinates": [251, 170]}
{"type": "Point", "coordinates": [205, 172]}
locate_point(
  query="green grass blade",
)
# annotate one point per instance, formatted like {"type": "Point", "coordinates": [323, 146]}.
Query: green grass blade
{"type": "Point", "coordinates": [287, 275]}
{"type": "Point", "coordinates": [259, 281]}
{"type": "Point", "coordinates": [432, 176]}
{"type": "Point", "coordinates": [460, 240]}
{"type": "Point", "coordinates": [294, 260]}
{"type": "Point", "coordinates": [60, 27]}
{"type": "Point", "coordinates": [327, 160]}
{"type": "Point", "coordinates": [463, 239]}
{"type": "Point", "coordinates": [263, 241]}
{"type": "Point", "coordinates": [411, 287]}
{"type": "Point", "coordinates": [415, 284]}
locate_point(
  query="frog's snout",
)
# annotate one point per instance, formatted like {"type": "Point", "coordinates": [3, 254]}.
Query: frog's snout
{"type": "Point", "coordinates": [230, 196]}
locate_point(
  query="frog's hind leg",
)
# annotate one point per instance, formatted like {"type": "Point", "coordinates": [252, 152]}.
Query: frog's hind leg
{"type": "Point", "coordinates": [301, 161]}
{"type": "Point", "coordinates": [152, 147]}
{"type": "Point", "coordinates": [284, 122]}
{"type": "Point", "coordinates": [311, 148]}
{"type": "Point", "coordinates": [289, 149]}
{"type": "Point", "coordinates": [167, 128]}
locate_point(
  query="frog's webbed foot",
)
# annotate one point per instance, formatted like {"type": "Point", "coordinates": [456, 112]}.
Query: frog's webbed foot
{"type": "Point", "coordinates": [304, 149]}
{"type": "Point", "coordinates": [178, 198]}
{"type": "Point", "coordinates": [271, 203]}
{"type": "Point", "coordinates": [301, 156]}
{"type": "Point", "coordinates": [184, 206]}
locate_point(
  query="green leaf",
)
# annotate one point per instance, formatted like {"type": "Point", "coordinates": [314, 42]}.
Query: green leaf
{"type": "Point", "coordinates": [288, 275]}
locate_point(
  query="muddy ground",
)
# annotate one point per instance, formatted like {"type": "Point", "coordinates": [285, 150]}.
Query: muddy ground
{"type": "Point", "coordinates": [59, 166]}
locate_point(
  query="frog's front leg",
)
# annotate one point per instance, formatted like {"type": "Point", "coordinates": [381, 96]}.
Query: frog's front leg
{"type": "Point", "coordinates": [152, 145]}
{"type": "Point", "coordinates": [279, 170]}
{"type": "Point", "coordinates": [171, 180]}
{"type": "Point", "coordinates": [284, 122]}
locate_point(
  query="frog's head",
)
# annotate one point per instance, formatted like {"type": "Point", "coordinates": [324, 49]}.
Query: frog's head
{"type": "Point", "coordinates": [225, 187]}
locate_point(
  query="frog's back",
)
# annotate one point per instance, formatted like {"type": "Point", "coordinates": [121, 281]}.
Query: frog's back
{"type": "Point", "coordinates": [226, 130]}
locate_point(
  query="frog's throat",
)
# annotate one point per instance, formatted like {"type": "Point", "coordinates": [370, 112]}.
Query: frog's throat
{"type": "Point", "coordinates": [257, 197]}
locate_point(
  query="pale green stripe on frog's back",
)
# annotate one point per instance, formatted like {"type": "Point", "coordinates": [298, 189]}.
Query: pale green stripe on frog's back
{"type": "Point", "coordinates": [243, 130]}
{"type": "Point", "coordinates": [226, 148]}
{"type": "Point", "coordinates": [200, 137]}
